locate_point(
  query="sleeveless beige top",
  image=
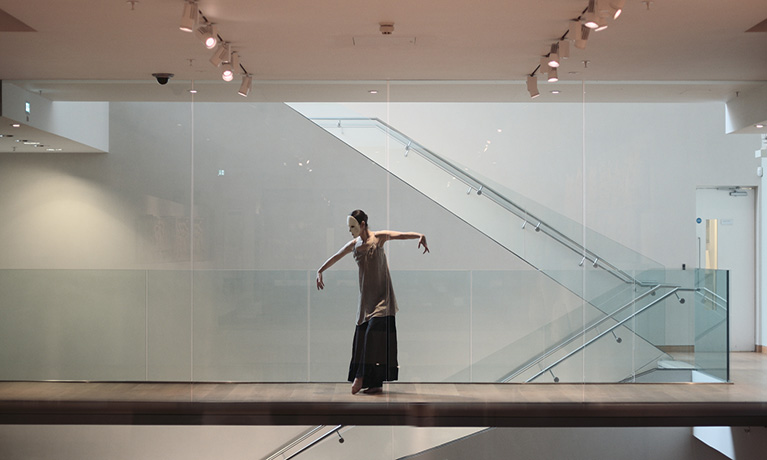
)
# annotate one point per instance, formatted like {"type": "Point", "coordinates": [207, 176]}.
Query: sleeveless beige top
{"type": "Point", "coordinates": [376, 292]}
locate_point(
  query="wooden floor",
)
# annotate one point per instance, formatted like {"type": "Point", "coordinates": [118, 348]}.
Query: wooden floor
{"type": "Point", "coordinates": [740, 403]}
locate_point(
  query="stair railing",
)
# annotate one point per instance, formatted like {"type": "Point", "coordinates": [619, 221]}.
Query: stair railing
{"type": "Point", "coordinates": [513, 374]}
{"type": "Point", "coordinates": [484, 190]}
{"type": "Point", "coordinates": [551, 366]}
{"type": "Point", "coordinates": [297, 441]}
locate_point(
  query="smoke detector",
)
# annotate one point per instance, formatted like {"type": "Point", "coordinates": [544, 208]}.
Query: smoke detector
{"type": "Point", "coordinates": [386, 28]}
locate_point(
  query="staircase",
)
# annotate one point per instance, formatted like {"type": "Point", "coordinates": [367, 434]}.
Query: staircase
{"type": "Point", "coordinates": [619, 287]}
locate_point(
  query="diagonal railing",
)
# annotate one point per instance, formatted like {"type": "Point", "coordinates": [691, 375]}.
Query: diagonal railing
{"type": "Point", "coordinates": [583, 346]}
{"type": "Point", "coordinates": [306, 441]}
{"type": "Point", "coordinates": [526, 216]}
{"type": "Point", "coordinates": [347, 129]}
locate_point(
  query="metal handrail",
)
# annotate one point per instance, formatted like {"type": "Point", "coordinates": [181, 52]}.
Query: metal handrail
{"type": "Point", "coordinates": [582, 332]}
{"type": "Point", "coordinates": [301, 438]}
{"type": "Point", "coordinates": [490, 193]}
{"type": "Point", "coordinates": [715, 298]}
{"type": "Point", "coordinates": [316, 441]}
{"type": "Point", "coordinates": [599, 336]}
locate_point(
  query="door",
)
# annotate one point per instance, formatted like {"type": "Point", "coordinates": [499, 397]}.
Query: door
{"type": "Point", "coordinates": [726, 241]}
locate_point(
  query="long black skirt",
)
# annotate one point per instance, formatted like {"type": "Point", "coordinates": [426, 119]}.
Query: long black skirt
{"type": "Point", "coordinates": [374, 352]}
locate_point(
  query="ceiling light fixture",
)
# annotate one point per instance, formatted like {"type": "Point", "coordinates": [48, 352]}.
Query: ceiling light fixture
{"type": "Point", "coordinates": [227, 74]}
{"type": "Point", "coordinates": [221, 54]}
{"type": "Point", "coordinates": [207, 34]}
{"type": "Point", "coordinates": [544, 66]}
{"type": "Point", "coordinates": [189, 17]}
{"type": "Point", "coordinates": [247, 82]}
{"type": "Point", "coordinates": [590, 19]}
{"type": "Point", "coordinates": [617, 7]}
{"type": "Point", "coordinates": [601, 24]}
{"type": "Point", "coordinates": [554, 56]}
{"type": "Point", "coordinates": [583, 41]}
{"type": "Point", "coordinates": [574, 30]}
{"type": "Point", "coordinates": [553, 76]}
{"type": "Point", "coordinates": [532, 86]}
{"type": "Point", "coordinates": [759, 126]}
{"type": "Point", "coordinates": [231, 67]}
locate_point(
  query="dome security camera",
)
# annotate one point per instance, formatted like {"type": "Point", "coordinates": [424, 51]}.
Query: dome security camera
{"type": "Point", "coordinates": [162, 78]}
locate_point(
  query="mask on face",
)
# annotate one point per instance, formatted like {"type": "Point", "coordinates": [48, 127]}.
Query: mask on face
{"type": "Point", "coordinates": [354, 226]}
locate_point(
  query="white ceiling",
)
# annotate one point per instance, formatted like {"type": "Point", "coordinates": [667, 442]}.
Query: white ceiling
{"type": "Point", "coordinates": [305, 49]}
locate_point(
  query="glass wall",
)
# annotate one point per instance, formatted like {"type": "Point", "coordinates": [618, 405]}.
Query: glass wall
{"type": "Point", "coordinates": [189, 251]}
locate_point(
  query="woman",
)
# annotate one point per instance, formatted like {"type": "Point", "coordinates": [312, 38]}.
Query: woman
{"type": "Point", "coordinates": [374, 350]}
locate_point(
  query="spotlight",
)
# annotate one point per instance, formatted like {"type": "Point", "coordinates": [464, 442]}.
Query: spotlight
{"type": "Point", "coordinates": [601, 24]}
{"type": "Point", "coordinates": [221, 55]}
{"type": "Point", "coordinates": [228, 73]}
{"type": "Point", "coordinates": [207, 34]}
{"type": "Point", "coordinates": [532, 86]}
{"type": "Point", "coordinates": [189, 17]}
{"type": "Point", "coordinates": [553, 76]}
{"type": "Point", "coordinates": [590, 20]}
{"type": "Point", "coordinates": [230, 67]}
{"type": "Point", "coordinates": [574, 31]}
{"type": "Point", "coordinates": [581, 43]}
{"type": "Point", "coordinates": [545, 64]}
{"type": "Point", "coordinates": [554, 56]}
{"type": "Point", "coordinates": [247, 81]}
{"type": "Point", "coordinates": [617, 7]}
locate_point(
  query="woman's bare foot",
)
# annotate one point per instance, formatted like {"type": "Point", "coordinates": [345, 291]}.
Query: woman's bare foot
{"type": "Point", "coordinates": [373, 391]}
{"type": "Point", "coordinates": [356, 385]}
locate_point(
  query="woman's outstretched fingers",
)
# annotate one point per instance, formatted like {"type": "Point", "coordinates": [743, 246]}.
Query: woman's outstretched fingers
{"type": "Point", "coordinates": [422, 242]}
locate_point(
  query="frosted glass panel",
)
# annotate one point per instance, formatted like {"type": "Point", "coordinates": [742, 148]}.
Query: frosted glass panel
{"type": "Point", "coordinates": [72, 324]}
{"type": "Point", "coordinates": [169, 325]}
{"type": "Point", "coordinates": [433, 325]}
{"type": "Point", "coordinates": [250, 325]}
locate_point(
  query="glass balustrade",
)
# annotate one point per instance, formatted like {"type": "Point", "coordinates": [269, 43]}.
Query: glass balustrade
{"type": "Point", "coordinates": [582, 301]}
{"type": "Point", "coordinates": [274, 326]}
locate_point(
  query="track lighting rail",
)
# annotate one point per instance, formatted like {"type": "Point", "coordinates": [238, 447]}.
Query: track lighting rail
{"type": "Point", "coordinates": [593, 17]}
{"type": "Point", "coordinates": [194, 20]}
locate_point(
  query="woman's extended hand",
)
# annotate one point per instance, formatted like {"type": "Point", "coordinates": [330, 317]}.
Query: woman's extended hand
{"type": "Point", "coordinates": [320, 283]}
{"type": "Point", "coordinates": [422, 242]}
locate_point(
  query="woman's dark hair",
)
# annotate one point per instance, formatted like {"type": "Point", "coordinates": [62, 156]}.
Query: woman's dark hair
{"type": "Point", "coordinates": [360, 216]}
